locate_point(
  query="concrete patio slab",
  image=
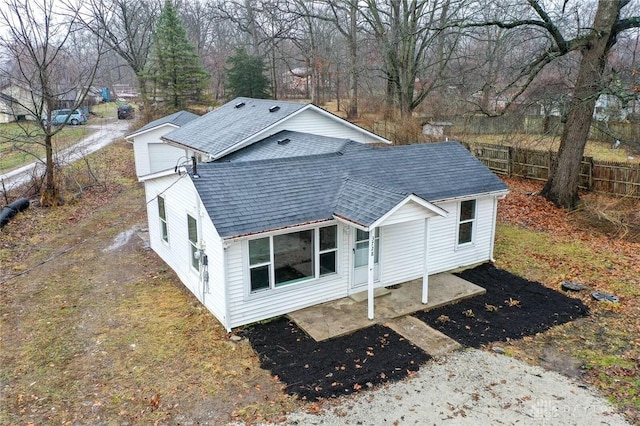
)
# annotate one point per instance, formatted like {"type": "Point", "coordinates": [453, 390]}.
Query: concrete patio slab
{"type": "Point", "coordinates": [346, 315]}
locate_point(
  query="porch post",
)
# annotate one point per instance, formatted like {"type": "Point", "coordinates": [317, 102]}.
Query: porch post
{"type": "Point", "coordinates": [370, 275]}
{"type": "Point", "coordinates": [425, 263]}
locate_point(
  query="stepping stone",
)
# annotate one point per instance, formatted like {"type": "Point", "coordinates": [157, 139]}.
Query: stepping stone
{"type": "Point", "coordinates": [601, 296]}
{"type": "Point", "coordinates": [420, 334]}
{"type": "Point", "coordinates": [572, 286]}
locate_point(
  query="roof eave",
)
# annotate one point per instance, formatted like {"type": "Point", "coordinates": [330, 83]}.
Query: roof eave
{"type": "Point", "coordinates": [158, 174]}
{"type": "Point", "coordinates": [138, 133]}
{"type": "Point", "coordinates": [439, 211]}
{"type": "Point", "coordinates": [497, 193]}
{"type": "Point", "coordinates": [183, 146]}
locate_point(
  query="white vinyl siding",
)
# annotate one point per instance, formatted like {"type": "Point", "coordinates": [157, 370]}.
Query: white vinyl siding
{"type": "Point", "coordinates": [403, 243]}
{"type": "Point", "coordinates": [408, 212]}
{"type": "Point", "coordinates": [310, 121]}
{"type": "Point", "coordinates": [181, 200]}
{"type": "Point", "coordinates": [403, 252]}
{"type": "Point", "coordinates": [165, 157]}
{"type": "Point", "coordinates": [245, 307]}
{"type": "Point", "coordinates": [444, 252]}
{"type": "Point", "coordinates": [153, 155]}
{"type": "Point", "coordinates": [141, 148]}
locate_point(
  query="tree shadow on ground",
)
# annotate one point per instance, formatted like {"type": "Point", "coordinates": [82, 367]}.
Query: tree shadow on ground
{"type": "Point", "coordinates": [512, 308]}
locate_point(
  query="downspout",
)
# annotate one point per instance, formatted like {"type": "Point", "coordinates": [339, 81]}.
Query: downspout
{"type": "Point", "coordinates": [493, 228]}
{"type": "Point", "coordinates": [425, 266]}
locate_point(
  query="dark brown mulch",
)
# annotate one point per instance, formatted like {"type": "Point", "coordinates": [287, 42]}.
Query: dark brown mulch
{"type": "Point", "coordinates": [375, 355]}
{"type": "Point", "coordinates": [512, 308]}
{"type": "Point", "coordinates": [335, 367]}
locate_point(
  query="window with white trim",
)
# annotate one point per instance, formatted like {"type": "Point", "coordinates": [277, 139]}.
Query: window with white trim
{"type": "Point", "coordinates": [466, 221]}
{"type": "Point", "coordinates": [192, 225]}
{"type": "Point", "coordinates": [328, 250]}
{"type": "Point", "coordinates": [283, 259]}
{"type": "Point", "coordinates": [162, 213]}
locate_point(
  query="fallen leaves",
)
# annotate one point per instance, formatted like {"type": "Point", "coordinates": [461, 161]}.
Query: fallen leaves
{"type": "Point", "coordinates": [599, 247]}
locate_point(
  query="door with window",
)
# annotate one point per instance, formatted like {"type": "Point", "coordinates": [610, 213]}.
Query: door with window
{"type": "Point", "coordinates": [361, 258]}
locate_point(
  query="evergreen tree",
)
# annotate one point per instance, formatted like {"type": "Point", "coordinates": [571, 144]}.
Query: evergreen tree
{"type": "Point", "coordinates": [175, 67]}
{"type": "Point", "coordinates": [246, 76]}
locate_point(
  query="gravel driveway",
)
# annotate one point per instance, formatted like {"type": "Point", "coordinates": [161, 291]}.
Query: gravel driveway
{"type": "Point", "coordinates": [471, 387]}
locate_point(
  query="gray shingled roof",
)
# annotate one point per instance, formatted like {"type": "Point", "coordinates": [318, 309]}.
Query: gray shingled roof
{"type": "Point", "coordinates": [364, 202]}
{"type": "Point", "coordinates": [232, 123]}
{"type": "Point", "coordinates": [249, 197]}
{"type": "Point", "coordinates": [292, 144]}
{"type": "Point", "coordinates": [179, 119]}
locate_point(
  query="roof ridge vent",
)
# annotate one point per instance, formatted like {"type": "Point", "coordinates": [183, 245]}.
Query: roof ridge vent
{"type": "Point", "coordinates": [274, 108]}
{"type": "Point", "coordinates": [240, 105]}
{"type": "Point", "coordinates": [284, 141]}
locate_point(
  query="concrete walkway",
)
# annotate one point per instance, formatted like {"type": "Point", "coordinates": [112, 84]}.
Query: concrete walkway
{"type": "Point", "coordinates": [392, 307]}
{"type": "Point", "coordinates": [103, 133]}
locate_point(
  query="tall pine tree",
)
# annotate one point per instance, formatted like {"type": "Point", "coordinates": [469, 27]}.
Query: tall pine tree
{"type": "Point", "coordinates": [175, 68]}
{"type": "Point", "coordinates": [245, 76]}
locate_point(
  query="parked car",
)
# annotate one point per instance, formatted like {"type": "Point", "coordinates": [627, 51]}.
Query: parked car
{"type": "Point", "coordinates": [125, 112]}
{"type": "Point", "coordinates": [59, 116]}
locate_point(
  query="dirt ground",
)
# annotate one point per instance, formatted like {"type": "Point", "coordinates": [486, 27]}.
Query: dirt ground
{"type": "Point", "coordinates": [96, 330]}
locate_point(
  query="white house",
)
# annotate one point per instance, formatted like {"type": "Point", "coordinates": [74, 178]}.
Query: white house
{"type": "Point", "coordinates": [16, 102]}
{"type": "Point", "coordinates": [153, 155]}
{"type": "Point", "coordinates": [284, 206]}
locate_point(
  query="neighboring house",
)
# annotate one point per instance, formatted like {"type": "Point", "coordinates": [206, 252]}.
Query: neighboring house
{"type": "Point", "coordinates": [437, 129]}
{"type": "Point", "coordinates": [296, 207]}
{"type": "Point", "coordinates": [8, 108]}
{"type": "Point", "coordinates": [13, 100]}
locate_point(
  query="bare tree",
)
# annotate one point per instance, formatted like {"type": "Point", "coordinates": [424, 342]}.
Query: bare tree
{"type": "Point", "coordinates": [343, 15]}
{"type": "Point", "coordinates": [411, 39]}
{"type": "Point", "coordinates": [265, 24]}
{"type": "Point", "coordinates": [127, 27]}
{"type": "Point", "coordinates": [568, 28]}
{"type": "Point", "coordinates": [38, 39]}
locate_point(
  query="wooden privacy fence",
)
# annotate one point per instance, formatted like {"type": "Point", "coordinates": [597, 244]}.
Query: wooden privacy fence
{"type": "Point", "coordinates": [616, 178]}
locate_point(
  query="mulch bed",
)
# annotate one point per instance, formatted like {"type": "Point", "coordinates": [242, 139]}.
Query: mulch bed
{"type": "Point", "coordinates": [335, 367]}
{"type": "Point", "coordinates": [512, 308]}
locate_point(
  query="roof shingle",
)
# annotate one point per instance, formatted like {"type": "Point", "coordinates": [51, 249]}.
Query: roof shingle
{"type": "Point", "coordinates": [232, 123]}
{"type": "Point", "coordinates": [255, 196]}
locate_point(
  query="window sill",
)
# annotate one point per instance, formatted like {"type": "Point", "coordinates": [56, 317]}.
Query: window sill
{"type": "Point", "coordinates": [290, 286]}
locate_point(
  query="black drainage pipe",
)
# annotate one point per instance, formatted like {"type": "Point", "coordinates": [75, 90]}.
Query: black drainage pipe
{"type": "Point", "coordinates": [12, 209]}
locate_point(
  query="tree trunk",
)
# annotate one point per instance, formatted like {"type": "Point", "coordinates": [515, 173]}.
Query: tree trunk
{"type": "Point", "coordinates": [49, 194]}
{"type": "Point", "coordinates": [352, 111]}
{"type": "Point", "coordinates": [144, 96]}
{"type": "Point", "coordinates": [562, 186]}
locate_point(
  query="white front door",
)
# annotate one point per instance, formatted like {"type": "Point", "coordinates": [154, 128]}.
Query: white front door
{"type": "Point", "coordinates": [361, 257]}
